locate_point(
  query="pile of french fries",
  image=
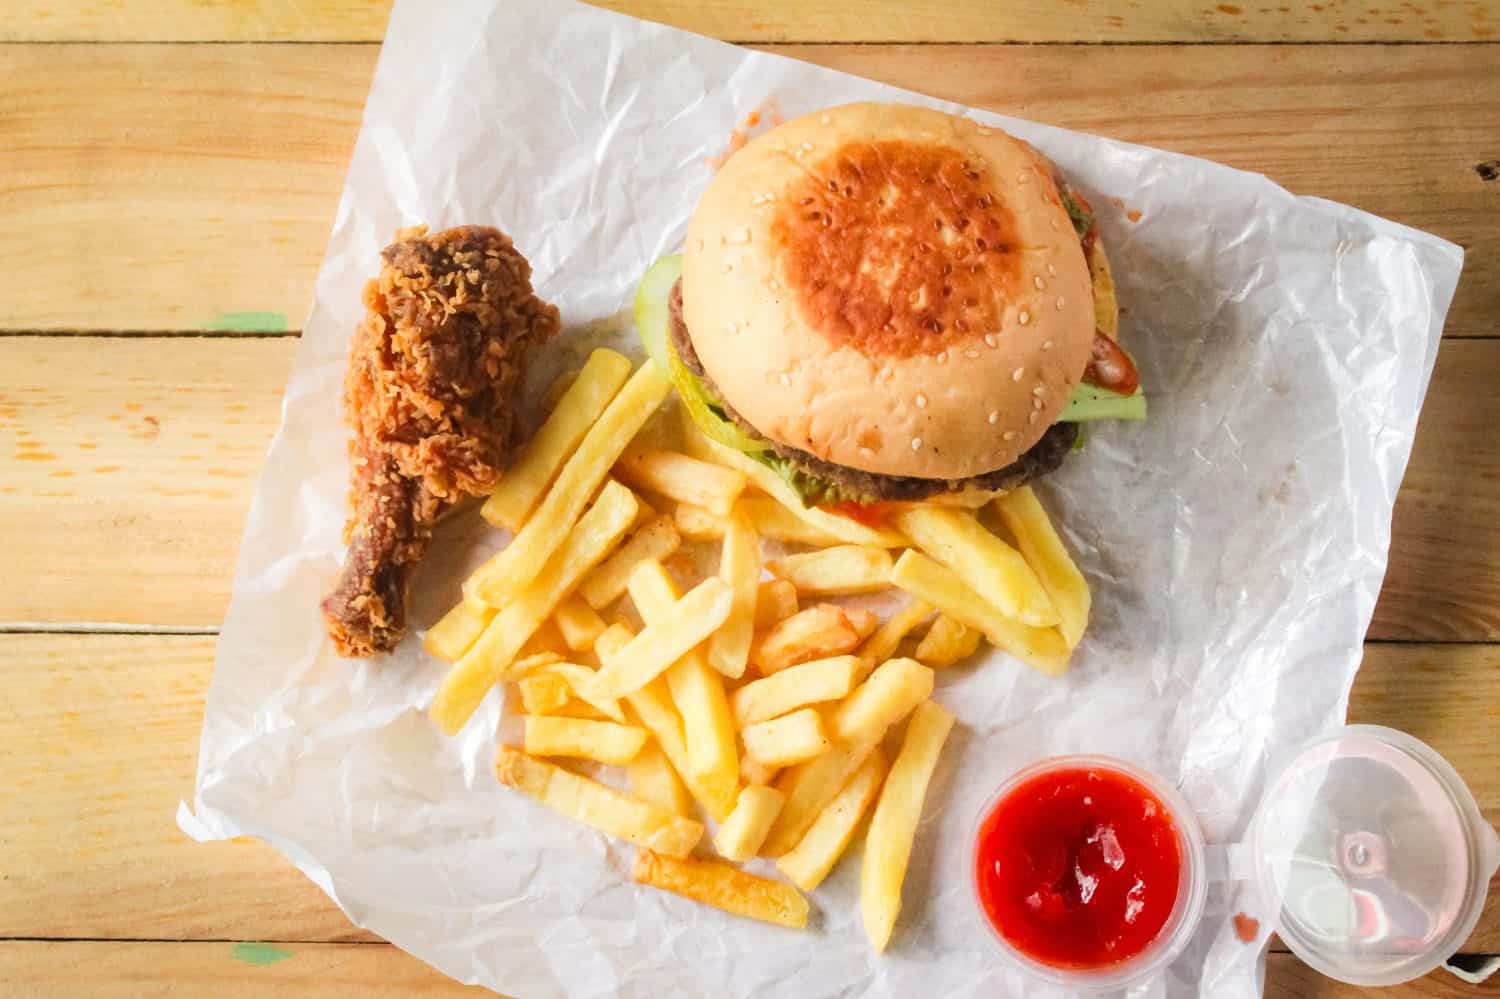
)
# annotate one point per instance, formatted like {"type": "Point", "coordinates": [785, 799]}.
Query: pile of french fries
{"type": "Point", "coordinates": [749, 694]}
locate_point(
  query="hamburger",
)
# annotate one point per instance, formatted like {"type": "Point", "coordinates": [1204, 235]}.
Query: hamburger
{"type": "Point", "coordinates": [887, 303]}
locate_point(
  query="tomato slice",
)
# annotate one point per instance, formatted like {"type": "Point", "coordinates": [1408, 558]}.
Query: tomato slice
{"type": "Point", "coordinates": [1111, 368]}
{"type": "Point", "coordinates": [870, 514]}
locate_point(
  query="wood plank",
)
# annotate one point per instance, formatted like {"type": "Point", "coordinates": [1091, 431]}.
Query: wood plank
{"type": "Point", "coordinates": [124, 871]}
{"type": "Point", "coordinates": [198, 182]}
{"type": "Point", "coordinates": [101, 743]}
{"type": "Point", "coordinates": [96, 969]}
{"type": "Point", "coordinates": [148, 449]}
{"type": "Point", "coordinates": [128, 472]}
{"type": "Point", "coordinates": [791, 20]}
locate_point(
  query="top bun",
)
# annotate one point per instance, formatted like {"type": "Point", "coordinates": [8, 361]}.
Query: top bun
{"type": "Point", "coordinates": [890, 288]}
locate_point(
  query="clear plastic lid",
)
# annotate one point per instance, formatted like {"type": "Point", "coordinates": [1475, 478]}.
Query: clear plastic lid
{"type": "Point", "coordinates": [1371, 856]}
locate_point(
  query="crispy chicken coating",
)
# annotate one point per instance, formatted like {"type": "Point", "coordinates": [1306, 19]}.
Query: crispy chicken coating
{"type": "Point", "coordinates": [430, 393]}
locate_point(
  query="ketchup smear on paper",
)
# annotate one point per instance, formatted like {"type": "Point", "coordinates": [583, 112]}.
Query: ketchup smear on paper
{"type": "Point", "coordinates": [1079, 868]}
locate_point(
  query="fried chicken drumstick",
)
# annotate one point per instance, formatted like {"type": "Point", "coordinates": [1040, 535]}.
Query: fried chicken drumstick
{"type": "Point", "coordinates": [430, 394]}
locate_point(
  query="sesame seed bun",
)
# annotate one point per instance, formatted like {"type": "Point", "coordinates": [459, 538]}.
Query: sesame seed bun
{"type": "Point", "coordinates": [890, 288]}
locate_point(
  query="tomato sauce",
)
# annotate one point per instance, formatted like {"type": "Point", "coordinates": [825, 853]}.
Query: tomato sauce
{"type": "Point", "coordinates": [874, 515]}
{"type": "Point", "coordinates": [1079, 868]}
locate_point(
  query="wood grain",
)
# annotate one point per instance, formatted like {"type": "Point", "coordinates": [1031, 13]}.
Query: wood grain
{"type": "Point", "coordinates": [133, 461]}
{"type": "Point", "coordinates": [101, 743]}
{"type": "Point", "coordinates": [186, 187]}
{"type": "Point", "coordinates": [104, 970]}
{"type": "Point", "coordinates": [792, 20]}
{"type": "Point", "coordinates": [102, 735]}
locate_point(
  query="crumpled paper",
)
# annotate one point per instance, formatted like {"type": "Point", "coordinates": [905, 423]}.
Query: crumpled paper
{"type": "Point", "coordinates": [1235, 542]}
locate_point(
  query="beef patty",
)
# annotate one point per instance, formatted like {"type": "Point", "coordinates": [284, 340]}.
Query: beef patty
{"type": "Point", "coordinates": [1046, 455]}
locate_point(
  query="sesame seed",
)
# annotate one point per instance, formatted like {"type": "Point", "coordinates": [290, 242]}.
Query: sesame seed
{"type": "Point", "coordinates": [1018, 374]}
{"type": "Point", "coordinates": [971, 354]}
{"type": "Point", "coordinates": [1022, 178]}
{"type": "Point", "coordinates": [1052, 270]}
{"type": "Point", "coordinates": [785, 379]}
{"type": "Point", "coordinates": [916, 443]}
{"type": "Point", "coordinates": [734, 327]}
{"type": "Point", "coordinates": [1036, 280]}
{"type": "Point", "coordinates": [995, 417]}
{"type": "Point", "coordinates": [990, 340]}
{"type": "Point", "coordinates": [773, 284]}
{"type": "Point", "coordinates": [1036, 403]}
{"type": "Point", "coordinates": [807, 147]}
{"type": "Point", "coordinates": [921, 401]}
{"type": "Point", "coordinates": [983, 131]}
{"type": "Point", "coordinates": [1046, 344]}
{"type": "Point", "coordinates": [824, 120]}
{"type": "Point", "coordinates": [887, 373]}
{"type": "Point", "coordinates": [1032, 417]}
{"type": "Point", "coordinates": [1038, 390]}
{"type": "Point", "coordinates": [1025, 317]}
{"type": "Point", "coordinates": [942, 357]}
{"type": "Point", "coordinates": [1055, 226]}
{"type": "Point", "coordinates": [867, 452]}
{"type": "Point", "coordinates": [1011, 435]}
{"type": "Point", "coordinates": [700, 244]}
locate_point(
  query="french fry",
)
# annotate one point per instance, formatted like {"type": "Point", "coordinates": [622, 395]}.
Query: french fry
{"type": "Point", "coordinates": [835, 525]}
{"type": "Point", "coordinates": [524, 482]}
{"type": "Point", "coordinates": [1043, 649]}
{"type": "Point", "coordinates": [893, 825]}
{"type": "Point", "coordinates": [887, 638]}
{"type": "Point", "coordinates": [831, 571]}
{"type": "Point", "coordinates": [580, 679]}
{"type": "Point", "coordinates": [652, 704]}
{"type": "Point", "coordinates": [656, 540]}
{"type": "Point", "coordinates": [502, 579]}
{"type": "Point", "coordinates": [808, 788]}
{"type": "Point", "coordinates": [579, 623]}
{"type": "Point", "coordinates": [723, 887]}
{"type": "Point", "coordinates": [687, 480]}
{"type": "Point", "coordinates": [756, 772]}
{"type": "Point", "coordinates": [527, 663]}
{"type": "Point", "coordinates": [892, 691]}
{"type": "Point", "coordinates": [769, 518]}
{"type": "Point", "coordinates": [602, 741]}
{"type": "Point", "coordinates": [795, 687]}
{"type": "Point", "coordinates": [456, 630]}
{"type": "Point", "coordinates": [987, 565]}
{"type": "Point", "coordinates": [781, 742]}
{"type": "Point", "coordinates": [775, 601]}
{"type": "Point", "coordinates": [819, 631]}
{"type": "Point", "coordinates": [697, 690]}
{"type": "Point", "coordinates": [697, 524]}
{"type": "Point", "coordinates": [490, 658]}
{"type": "Point", "coordinates": [653, 779]}
{"type": "Point", "coordinates": [774, 521]}
{"type": "Point", "coordinates": [667, 639]}
{"type": "Point", "coordinates": [741, 835]}
{"type": "Point", "coordinates": [864, 622]}
{"type": "Point", "coordinates": [946, 642]}
{"type": "Point", "coordinates": [543, 693]}
{"type": "Point", "coordinates": [1022, 515]}
{"type": "Point", "coordinates": [559, 388]}
{"type": "Point", "coordinates": [597, 805]}
{"type": "Point", "coordinates": [739, 566]}
{"type": "Point", "coordinates": [808, 863]}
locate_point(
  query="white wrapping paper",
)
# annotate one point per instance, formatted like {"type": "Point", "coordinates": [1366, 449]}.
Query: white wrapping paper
{"type": "Point", "coordinates": [1235, 543]}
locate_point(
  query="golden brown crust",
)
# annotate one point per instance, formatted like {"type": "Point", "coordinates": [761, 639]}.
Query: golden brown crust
{"type": "Point", "coordinates": [819, 329]}
{"type": "Point", "coordinates": [898, 248]}
{"type": "Point", "coordinates": [429, 393]}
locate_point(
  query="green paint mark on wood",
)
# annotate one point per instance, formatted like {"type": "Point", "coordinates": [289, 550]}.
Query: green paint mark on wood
{"type": "Point", "coordinates": [257, 954]}
{"type": "Point", "coordinates": [249, 322]}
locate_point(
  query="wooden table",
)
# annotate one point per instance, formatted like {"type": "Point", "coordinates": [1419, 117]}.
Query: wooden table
{"type": "Point", "coordinates": [168, 175]}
